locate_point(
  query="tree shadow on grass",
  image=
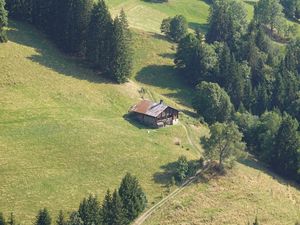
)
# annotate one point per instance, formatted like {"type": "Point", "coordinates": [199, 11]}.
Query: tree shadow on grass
{"type": "Point", "coordinates": [198, 26]}
{"type": "Point", "coordinates": [166, 77]}
{"type": "Point", "coordinates": [167, 55]}
{"type": "Point", "coordinates": [165, 176]}
{"type": "Point", "coordinates": [255, 164]}
{"type": "Point", "coordinates": [48, 55]}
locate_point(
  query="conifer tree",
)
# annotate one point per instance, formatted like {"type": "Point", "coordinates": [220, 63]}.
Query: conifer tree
{"type": "Point", "coordinates": [118, 210]}
{"type": "Point", "coordinates": [99, 38]}
{"type": "Point", "coordinates": [89, 211]}
{"type": "Point", "coordinates": [133, 198]}
{"type": "Point", "coordinates": [3, 22]}
{"type": "Point", "coordinates": [43, 217]}
{"type": "Point", "coordinates": [285, 157]}
{"type": "Point", "coordinates": [75, 219]}
{"type": "Point", "coordinates": [122, 54]}
{"type": "Point", "coordinates": [61, 219]}
{"type": "Point", "coordinates": [107, 216]}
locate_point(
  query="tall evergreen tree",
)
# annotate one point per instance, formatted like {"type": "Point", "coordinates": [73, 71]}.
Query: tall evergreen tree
{"type": "Point", "coordinates": [61, 219]}
{"type": "Point", "coordinates": [227, 23]}
{"type": "Point", "coordinates": [118, 210]}
{"type": "Point", "coordinates": [285, 157]}
{"type": "Point", "coordinates": [99, 38]}
{"type": "Point", "coordinates": [122, 53]}
{"type": "Point", "coordinates": [43, 217]}
{"type": "Point", "coordinates": [107, 215]}
{"type": "Point", "coordinates": [133, 197]}
{"type": "Point", "coordinates": [75, 219]}
{"type": "Point", "coordinates": [3, 21]}
{"type": "Point", "coordinates": [90, 211]}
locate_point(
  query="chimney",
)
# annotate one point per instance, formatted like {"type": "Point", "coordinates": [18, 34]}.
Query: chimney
{"type": "Point", "coordinates": [161, 102]}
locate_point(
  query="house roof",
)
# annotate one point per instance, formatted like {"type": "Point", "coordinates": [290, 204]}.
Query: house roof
{"type": "Point", "coordinates": [149, 108]}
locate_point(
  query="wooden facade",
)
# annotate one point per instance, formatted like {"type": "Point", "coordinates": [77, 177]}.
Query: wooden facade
{"type": "Point", "coordinates": [155, 114]}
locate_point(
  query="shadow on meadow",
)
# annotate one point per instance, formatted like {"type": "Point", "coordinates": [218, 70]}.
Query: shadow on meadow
{"type": "Point", "coordinates": [166, 77]}
{"type": "Point", "coordinates": [168, 171]}
{"type": "Point", "coordinates": [253, 163]}
{"type": "Point", "coordinates": [48, 55]}
{"type": "Point", "coordinates": [197, 26]}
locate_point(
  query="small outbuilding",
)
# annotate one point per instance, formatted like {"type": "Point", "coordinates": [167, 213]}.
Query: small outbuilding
{"type": "Point", "coordinates": [154, 114]}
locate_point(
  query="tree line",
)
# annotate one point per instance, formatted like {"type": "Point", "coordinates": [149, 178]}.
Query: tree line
{"type": "Point", "coordinates": [118, 208]}
{"type": "Point", "coordinates": [238, 74]}
{"type": "Point", "coordinates": [81, 28]}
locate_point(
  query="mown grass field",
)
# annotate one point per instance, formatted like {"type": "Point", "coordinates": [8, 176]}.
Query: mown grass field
{"type": "Point", "coordinates": [236, 198]}
{"type": "Point", "coordinates": [63, 134]}
{"type": "Point", "coordinates": [62, 128]}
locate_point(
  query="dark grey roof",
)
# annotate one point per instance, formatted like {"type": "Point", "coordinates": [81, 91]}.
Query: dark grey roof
{"type": "Point", "coordinates": [149, 108]}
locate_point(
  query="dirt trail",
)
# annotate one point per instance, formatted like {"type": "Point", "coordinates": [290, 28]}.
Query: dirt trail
{"type": "Point", "coordinates": [154, 208]}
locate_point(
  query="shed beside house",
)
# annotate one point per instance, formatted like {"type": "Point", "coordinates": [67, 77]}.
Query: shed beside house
{"type": "Point", "coordinates": [154, 114]}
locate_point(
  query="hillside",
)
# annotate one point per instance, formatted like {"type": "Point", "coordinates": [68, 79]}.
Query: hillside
{"type": "Point", "coordinates": [63, 133]}
{"type": "Point", "coordinates": [248, 190]}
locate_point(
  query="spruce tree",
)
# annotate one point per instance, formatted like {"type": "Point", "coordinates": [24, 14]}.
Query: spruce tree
{"type": "Point", "coordinates": [99, 38]}
{"type": "Point", "coordinates": [61, 219]}
{"type": "Point", "coordinates": [284, 157]}
{"type": "Point", "coordinates": [107, 216]}
{"type": "Point", "coordinates": [43, 217]}
{"type": "Point", "coordinates": [75, 219]}
{"type": "Point", "coordinates": [118, 210]}
{"type": "Point", "coordinates": [2, 219]}
{"type": "Point", "coordinates": [133, 198]}
{"type": "Point", "coordinates": [89, 211]}
{"type": "Point", "coordinates": [3, 21]}
{"type": "Point", "coordinates": [122, 54]}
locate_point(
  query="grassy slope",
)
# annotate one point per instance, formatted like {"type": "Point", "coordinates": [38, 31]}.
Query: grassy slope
{"type": "Point", "coordinates": [234, 199]}
{"type": "Point", "coordinates": [63, 134]}
{"type": "Point", "coordinates": [62, 129]}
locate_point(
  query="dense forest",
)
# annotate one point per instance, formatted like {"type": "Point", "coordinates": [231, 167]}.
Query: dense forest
{"type": "Point", "coordinates": [241, 74]}
{"type": "Point", "coordinates": [80, 28]}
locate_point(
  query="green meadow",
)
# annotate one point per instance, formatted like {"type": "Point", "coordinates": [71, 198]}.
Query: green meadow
{"type": "Point", "coordinates": [64, 132]}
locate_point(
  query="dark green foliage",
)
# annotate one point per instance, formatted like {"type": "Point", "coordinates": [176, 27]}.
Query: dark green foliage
{"type": "Point", "coordinates": [43, 217]}
{"type": "Point", "coordinates": [77, 20]}
{"type": "Point", "coordinates": [99, 37]}
{"type": "Point", "coordinates": [291, 8]}
{"type": "Point", "coordinates": [195, 59]}
{"type": "Point", "coordinates": [175, 28]}
{"type": "Point", "coordinates": [75, 219]}
{"type": "Point", "coordinates": [20, 9]}
{"type": "Point", "coordinates": [133, 197]}
{"type": "Point", "coordinates": [89, 211]}
{"type": "Point", "coordinates": [269, 12]}
{"type": "Point", "coordinates": [227, 22]}
{"type": "Point", "coordinates": [113, 210]}
{"type": "Point", "coordinates": [224, 144]}
{"type": "Point", "coordinates": [292, 58]}
{"type": "Point", "coordinates": [182, 168]}
{"type": "Point", "coordinates": [42, 14]}
{"type": "Point", "coordinates": [2, 219]}
{"type": "Point", "coordinates": [61, 219]}
{"type": "Point", "coordinates": [121, 50]}
{"type": "Point", "coordinates": [212, 102]}
{"type": "Point", "coordinates": [285, 155]}
{"type": "Point", "coordinates": [3, 22]}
